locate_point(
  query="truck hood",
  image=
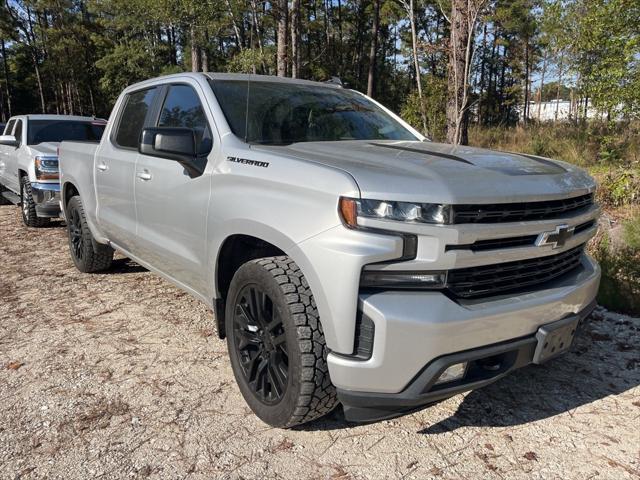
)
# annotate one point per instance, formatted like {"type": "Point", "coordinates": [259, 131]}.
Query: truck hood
{"type": "Point", "coordinates": [46, 148]}
{"type": "Point", "coordinates": [442, 173]}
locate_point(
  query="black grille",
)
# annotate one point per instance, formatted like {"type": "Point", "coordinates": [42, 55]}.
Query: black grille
{"type": "Point", "coordinates": [516, 212]}
{"type": "Point", "coordinates": [489, 280]}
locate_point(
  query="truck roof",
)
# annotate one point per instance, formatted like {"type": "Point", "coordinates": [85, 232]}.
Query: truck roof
{"type": "Point", "coordinates": [233, 76]}
{"type": "Point", "coordinates": [58, 117]}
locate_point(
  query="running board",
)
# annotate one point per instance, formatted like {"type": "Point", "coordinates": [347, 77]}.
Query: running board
{"type": "Point", "coordinates": [12, 197]}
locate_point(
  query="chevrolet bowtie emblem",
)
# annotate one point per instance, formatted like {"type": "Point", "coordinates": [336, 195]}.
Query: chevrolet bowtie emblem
{"type": "Point", "coordinates": [556, 239]}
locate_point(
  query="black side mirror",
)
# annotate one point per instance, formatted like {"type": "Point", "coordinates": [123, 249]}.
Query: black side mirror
{"type": "Point", "coordinates": [177, 144]}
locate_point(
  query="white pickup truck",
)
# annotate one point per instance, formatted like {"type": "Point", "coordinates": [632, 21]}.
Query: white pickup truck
{"type": "Point", "coordinates": [29, 161]}
{"type": "Point", "coordinates": [347, 258]}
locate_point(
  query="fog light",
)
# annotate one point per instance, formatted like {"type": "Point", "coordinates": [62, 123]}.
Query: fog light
{"type": "Point", "coordinates": [454, 372]}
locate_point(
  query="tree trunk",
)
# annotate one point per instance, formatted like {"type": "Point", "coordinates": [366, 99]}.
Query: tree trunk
{"type": "Point", "coordinates": [374, 48]}
{"type": "Point", "coordinates": [463, 20]}
{"type": "Point", "coordinates": [282, 12]}
{"type": "Point", "coordinates": [205, 53]}
{"type": "Point", "coordinates": [525, 120]}
{"type": "Point", "coordinates": [558, 89]}
{"type": "Point", "coordinates": [7, 82]}
{"type": "Point", "coordinates": [295, 39]}
{"type": "Point", "coordinates": [544, 70]}
{"type": "Point", "coordinates": [236, 30]}
{"type": "Point", "coordinates": [416, 64]}
{"type": "Point", "coordinates": [195, 51]}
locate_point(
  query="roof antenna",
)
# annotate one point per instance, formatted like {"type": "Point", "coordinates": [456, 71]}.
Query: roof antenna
{"type": "Point", "coordinates": [253, 70]}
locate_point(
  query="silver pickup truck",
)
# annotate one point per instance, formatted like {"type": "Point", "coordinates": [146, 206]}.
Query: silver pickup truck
{"type": "Point", "coordinates": [347, 258]}
{"type": "Point", "coordinates": [29, 161]}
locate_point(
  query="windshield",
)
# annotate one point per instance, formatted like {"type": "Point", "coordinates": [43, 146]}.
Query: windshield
{"type": "Point", "coordinates": [41, 131]}
{"type": "Point", "coordinates": [284, 113]}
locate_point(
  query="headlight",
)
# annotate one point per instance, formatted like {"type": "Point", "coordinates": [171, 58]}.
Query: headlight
{"type": "Point", "coordinates": [351, 209]}
{"type": "Point", "coordinates": [387, 279]}
{"type": "Point", "coordinates": [46, 167]}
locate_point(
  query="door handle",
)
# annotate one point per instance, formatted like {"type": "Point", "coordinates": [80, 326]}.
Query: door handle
{"type": "Point", "coordinates": [102, 166]}
{"type": "Point", "coordinates": [144, 175]}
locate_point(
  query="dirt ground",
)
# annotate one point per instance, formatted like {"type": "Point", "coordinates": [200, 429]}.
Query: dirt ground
{"type": "Point", "coordinates": [121, 375]}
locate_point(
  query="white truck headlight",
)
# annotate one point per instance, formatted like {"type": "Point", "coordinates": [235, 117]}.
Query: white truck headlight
{"type": "Point", "coordinates": [47, 167]}
{"type": "Point", "coordinates": [351, 209]}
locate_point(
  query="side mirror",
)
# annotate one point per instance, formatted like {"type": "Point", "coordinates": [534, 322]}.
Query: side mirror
{"type": "Point", "coordinates": [8, 140]}
{"type": "Point", "coordinates": [177, 144]}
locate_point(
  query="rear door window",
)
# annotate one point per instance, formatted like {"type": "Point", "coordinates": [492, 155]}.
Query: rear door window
{"type": "Point", "coordinates": [132, 120]}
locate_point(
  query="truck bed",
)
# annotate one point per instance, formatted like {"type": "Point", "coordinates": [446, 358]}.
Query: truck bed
{"type": "Point", "coordinates": [76, 161]}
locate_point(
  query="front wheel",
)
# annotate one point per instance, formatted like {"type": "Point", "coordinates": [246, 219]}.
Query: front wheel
{"type": "Point", "coordinates": [29, 215]}
{"type": "Point", "coordinates": [87, 254]}
{"type": "Point", "coordinates": [276, 344]}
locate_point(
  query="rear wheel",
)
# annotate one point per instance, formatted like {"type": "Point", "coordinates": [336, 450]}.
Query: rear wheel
{"type": "Point", "coordinates": [276, 344]}
{"type": "Point", "coordinates": [29, 215]}
{"type": "Point", "coordinates": [87, 254]}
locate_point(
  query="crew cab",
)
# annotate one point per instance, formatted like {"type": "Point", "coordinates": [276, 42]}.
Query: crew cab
{"type": "Point", "coordinates": [347, 258]}
{"type": "Point", "coordinates": [29, 161]}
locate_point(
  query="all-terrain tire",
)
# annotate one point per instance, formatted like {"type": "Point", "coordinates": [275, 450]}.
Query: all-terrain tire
{"type": "Point", "coordinates": [87, 254]}
{"type": "Point", "coordinates": [309, 393]}
{"type": "Point", "coordinates": [28, 206]}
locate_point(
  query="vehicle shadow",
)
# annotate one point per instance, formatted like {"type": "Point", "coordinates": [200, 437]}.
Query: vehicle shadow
{"type": "Point", "coordinates": [123, 265]}
{"type": "Point", "coordinates": [604, 361]}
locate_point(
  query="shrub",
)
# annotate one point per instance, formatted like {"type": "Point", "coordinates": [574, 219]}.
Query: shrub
{"type": "Point", "coordinates": [620, 284]}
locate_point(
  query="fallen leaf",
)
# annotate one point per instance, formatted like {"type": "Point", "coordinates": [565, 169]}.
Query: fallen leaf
{"type": "Point", "coordinates": [531, 456]}
{"type": "Point", "coordinates": [14, 365]}
{"type": "Point", "coordinates": [488, 446]}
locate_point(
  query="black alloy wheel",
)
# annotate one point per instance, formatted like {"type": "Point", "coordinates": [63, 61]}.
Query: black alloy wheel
{"type": "Point", "coordinates": [276, 343]}
{"type": "Point", "coordinates": [261, 344]}
{"type": "Point", "coordinates": [76, 239]}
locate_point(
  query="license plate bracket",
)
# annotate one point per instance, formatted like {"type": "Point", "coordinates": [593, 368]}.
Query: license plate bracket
{"type": "Point", "coordinates": [555, 338]}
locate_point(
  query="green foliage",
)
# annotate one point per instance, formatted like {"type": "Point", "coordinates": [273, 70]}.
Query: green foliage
{"type": "Point", "coordinates": [434, 100]}
{"type": "Point", "coordinates": [250, 61]}
{"type": "Point", "coordinates": [632, 232]}
{"type": "Point", "coordinates": [607, 49]}
{"type": "Point", "coordinates": [620, 283]}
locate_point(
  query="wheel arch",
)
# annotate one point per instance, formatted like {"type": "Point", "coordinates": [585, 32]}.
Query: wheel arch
{"type": "Point", "coordinates": [236, 250]}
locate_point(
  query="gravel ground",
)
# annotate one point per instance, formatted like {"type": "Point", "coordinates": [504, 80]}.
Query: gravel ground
{"type": "Point", "coordinates": [121, 375]}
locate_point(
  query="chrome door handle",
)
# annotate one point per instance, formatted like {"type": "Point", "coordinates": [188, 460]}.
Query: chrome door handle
{"type": "Point", "coordinates": [145, 175]}
{"type": "Point", "coordinates": [102, 167]}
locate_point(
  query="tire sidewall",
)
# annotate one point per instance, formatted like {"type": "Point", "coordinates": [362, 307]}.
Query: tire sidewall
{"type": "Point", "coordinates": [25, 196]}
{"type": "Point", "coordinates": [279, 414]}
{"type": "Point", "coordinates": [75, 204]}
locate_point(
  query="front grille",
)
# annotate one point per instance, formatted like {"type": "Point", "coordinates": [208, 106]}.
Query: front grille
{"type": "Point", "coordinates": [489, 280]}
{"type": "Point", "coordinates": [516, 212]}
{"type": "Point", "coordinates": [510, 242]}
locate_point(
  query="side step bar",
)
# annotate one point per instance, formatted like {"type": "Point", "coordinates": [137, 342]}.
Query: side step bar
{"type": "Point", "coordinates": [12, 197]}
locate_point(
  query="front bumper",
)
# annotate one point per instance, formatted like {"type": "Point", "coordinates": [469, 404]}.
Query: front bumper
{"type": "Point", "coordinates": [46, 196]}
{"type": "Point", "coordinates": [414, 329]}
{"type": "Point", "coordinates": [486, 365]}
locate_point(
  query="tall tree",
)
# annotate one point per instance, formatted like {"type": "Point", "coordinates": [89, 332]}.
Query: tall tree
{"type": "Point", "coordinates": [375, 26]}
{"type": "Point", "coordinates": [463, 20]}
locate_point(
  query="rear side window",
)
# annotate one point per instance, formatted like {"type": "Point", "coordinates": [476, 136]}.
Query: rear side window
{"type": "Point", "coordinates": [41, 131]}
{"type": "Point", "coordinates": [136, 108]}
{"type": "Point", "coordinates": [182, 108]}
{"type": "Point", "coordinates": [18, 131]}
